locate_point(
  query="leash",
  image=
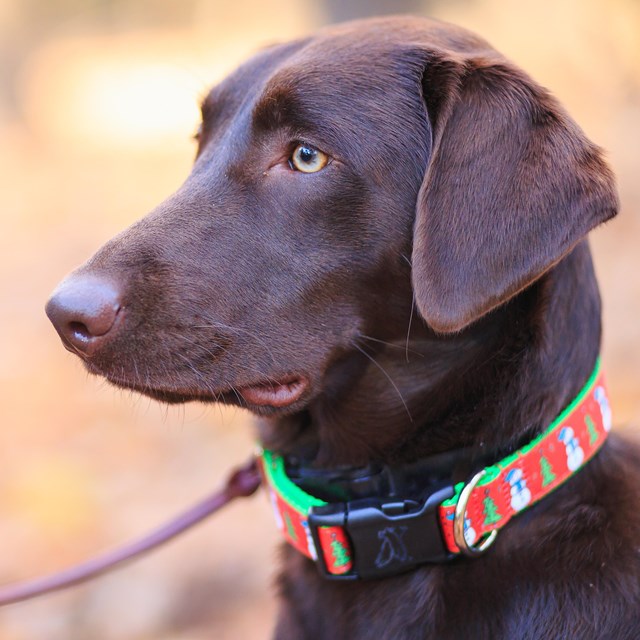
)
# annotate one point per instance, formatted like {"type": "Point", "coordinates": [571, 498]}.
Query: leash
{"type": "Point", "coordinates": [241, 483]}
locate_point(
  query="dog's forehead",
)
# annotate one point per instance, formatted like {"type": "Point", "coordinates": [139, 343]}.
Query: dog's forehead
{"type": "Point", "coordinates": [249, 75]}
{"type": "Point", "coordinates": [319, 61]}
{"type": "Point", "coordinates": [365, 50]}
{"type": "Point", "coordinates": [335, 77]}
{"type": "Point", "coordinates": [360, 53]}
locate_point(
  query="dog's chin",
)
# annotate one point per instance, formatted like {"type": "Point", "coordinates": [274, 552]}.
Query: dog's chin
{"type": "Point", "coordinates": [273, 396]}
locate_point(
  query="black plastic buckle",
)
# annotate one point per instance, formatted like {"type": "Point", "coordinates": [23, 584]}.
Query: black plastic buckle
{"type": "Point", "coordinates": [387, 537]}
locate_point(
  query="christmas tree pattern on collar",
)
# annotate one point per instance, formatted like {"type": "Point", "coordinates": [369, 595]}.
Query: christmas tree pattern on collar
{"type": "Point", "coordinates": [505, 488]}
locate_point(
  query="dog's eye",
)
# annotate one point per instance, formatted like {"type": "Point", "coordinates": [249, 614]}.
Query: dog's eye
{"type": "Point", "coordinates": [308, 159]}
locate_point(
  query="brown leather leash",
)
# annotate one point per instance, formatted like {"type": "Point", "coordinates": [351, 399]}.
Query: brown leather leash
{"type": "Point", "coordinates": [241, 483]}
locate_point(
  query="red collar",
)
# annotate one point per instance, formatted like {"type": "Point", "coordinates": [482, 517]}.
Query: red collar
{"type": "Point", "coordinates": [374, 537]}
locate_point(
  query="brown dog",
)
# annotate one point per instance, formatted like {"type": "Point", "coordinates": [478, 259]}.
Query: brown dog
{"type": "Point", "coordinates": [380, 250]}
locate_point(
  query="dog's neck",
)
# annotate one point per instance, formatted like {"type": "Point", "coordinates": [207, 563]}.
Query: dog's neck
{"type": "Point", "coordinates": [494, 386]}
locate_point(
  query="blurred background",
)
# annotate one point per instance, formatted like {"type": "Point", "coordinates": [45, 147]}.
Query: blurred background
{"type": "Point", "coordinates": [98, 100]}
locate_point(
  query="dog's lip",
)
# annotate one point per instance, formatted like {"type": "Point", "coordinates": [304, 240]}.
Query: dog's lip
{"type": "Point", "coordinates": [275, 393]}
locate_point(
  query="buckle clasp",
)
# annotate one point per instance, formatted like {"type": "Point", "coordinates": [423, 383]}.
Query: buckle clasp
{"type": "Point", "coordinates": [387, 537]}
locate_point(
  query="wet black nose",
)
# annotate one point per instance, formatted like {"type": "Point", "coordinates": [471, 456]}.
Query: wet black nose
{"type": "Point", "coordinates": [84, 310]}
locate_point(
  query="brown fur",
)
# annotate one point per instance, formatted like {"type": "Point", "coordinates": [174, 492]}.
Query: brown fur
{"type": "Point", "coordinates": [432, 284]}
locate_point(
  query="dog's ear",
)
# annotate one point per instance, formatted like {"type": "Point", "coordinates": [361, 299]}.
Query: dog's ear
{"type": "Point", "coordinates": [511, 187]}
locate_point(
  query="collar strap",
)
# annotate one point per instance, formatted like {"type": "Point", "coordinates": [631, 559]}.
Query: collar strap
{"type": "Point", "coordinates": [375, 537]}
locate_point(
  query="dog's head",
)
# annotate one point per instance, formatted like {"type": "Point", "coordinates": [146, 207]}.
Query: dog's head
{"type": "Point", "coordinates": [338, 180]}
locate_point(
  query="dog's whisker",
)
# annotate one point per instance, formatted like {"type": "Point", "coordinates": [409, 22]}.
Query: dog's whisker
{"type": "Point", "coordinates": [238, 396]}
{"type": "Point", "coordinates": [391, 344]}
{"type": "Point", "coordinates": [413, 306]}
{"type": "Point", "coordinates": [199, 347]}
{"type": "Point", "coordinates": [393, 384]}
{"type": "Point", "coordinates": [225, 327]}
{"type": "Point", "coordinates": [137, 377]}
{"type": "Point", "coordinates": [261, 374]}
{"type": "Point", "coordinates": [147, 376]}
{"type": "Point", "coordinates": [406, 259]}
{"type": "Point", "coordinates": [199, 374]}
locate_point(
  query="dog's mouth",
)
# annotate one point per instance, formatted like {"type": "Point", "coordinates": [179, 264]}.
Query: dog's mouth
{"type": "Point", "coordinates": [273, 393]}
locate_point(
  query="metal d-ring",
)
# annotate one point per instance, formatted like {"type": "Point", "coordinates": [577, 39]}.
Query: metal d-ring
{"type": "Point", "coordinates": [458, 522]}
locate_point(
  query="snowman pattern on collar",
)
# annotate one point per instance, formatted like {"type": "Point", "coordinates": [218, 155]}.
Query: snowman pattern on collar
{"type": "Point", "coordinates": [520, 493]}
{"type": "Point", "coordinates": [605, 408]}
{"type": "Point", "coordinates": [575, 453]}
{"type": "Point", "coordinates": [470, 534]}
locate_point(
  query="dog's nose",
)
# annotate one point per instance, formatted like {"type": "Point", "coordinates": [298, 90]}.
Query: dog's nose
{"type": "Point", "coordinates": [84, 310]}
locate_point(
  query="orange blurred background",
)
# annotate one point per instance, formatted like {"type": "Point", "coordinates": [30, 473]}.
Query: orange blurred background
{"type": "Point", "coordinates": [98, 100]}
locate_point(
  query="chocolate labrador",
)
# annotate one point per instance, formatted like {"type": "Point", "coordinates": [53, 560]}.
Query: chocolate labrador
{"type": "Point", "coordinates": [381, 251]}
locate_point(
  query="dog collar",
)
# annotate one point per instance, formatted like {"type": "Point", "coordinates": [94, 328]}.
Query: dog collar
{"type": "Point", "coordinates": [379, 536]}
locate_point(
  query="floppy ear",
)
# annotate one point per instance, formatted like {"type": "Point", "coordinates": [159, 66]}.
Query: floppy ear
{"type": "Point", "coordinates": [512, 186]}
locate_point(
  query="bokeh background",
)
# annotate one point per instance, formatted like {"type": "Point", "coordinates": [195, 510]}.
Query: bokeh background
{"type": "Point", "coordinates": [98, 100]}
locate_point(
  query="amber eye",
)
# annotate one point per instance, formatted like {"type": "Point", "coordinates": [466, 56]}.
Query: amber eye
{"type": "Point", "coordinates": [308, 159]}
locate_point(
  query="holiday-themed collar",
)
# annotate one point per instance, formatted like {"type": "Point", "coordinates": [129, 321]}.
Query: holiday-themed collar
{"type": "Point", "coordinates": [378, 536]}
